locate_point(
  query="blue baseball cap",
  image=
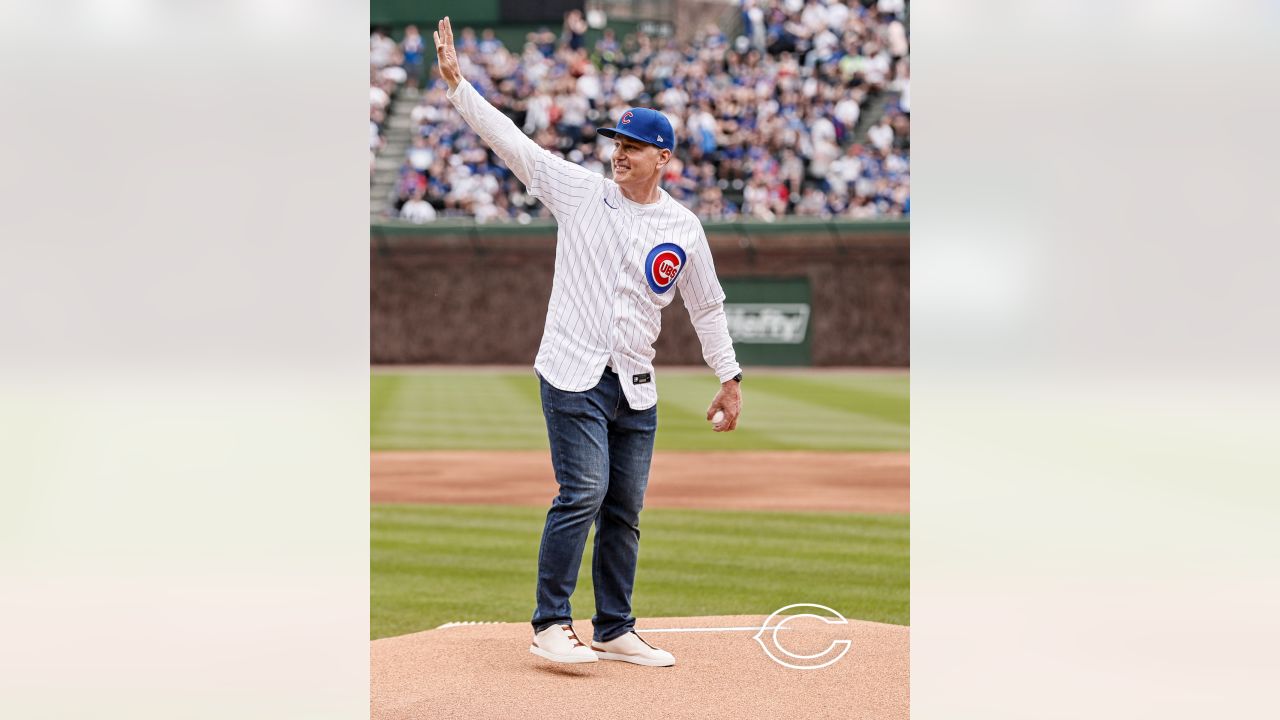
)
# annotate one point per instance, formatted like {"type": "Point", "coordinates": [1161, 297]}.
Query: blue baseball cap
{"type": "Point", "coordinates": [646, 125]}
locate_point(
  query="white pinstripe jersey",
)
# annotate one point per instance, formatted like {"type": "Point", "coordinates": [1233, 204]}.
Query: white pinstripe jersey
{"type": "Point", "coordinates": [618, 264]}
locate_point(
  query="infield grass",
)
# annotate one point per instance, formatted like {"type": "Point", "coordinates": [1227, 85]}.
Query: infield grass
{"type": "Point", "coordinates": [440, 409]}
{"type": "Point", "coordinates": [432, 564]}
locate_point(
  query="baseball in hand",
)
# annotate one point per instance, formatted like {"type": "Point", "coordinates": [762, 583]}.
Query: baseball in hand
{"type": "Point", "coordinates": [717, 418]}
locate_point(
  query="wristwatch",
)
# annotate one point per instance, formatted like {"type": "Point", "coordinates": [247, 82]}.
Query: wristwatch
{"type": "Point", "coordinates": [737, 378]}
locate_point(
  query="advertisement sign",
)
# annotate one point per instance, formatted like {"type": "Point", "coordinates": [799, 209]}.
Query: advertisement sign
{"type": "Point", "coordinates": [769, 320]}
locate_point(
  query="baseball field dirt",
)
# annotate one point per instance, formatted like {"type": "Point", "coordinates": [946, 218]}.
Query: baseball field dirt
{"type": "Point", "coordinates": [455, 530]}
{"type": "Point", "coordinates": [743, 480]}
{"type": "Point", "coordinates": [486, 671]}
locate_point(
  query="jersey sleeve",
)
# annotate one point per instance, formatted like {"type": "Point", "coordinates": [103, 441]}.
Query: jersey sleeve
{"type": "Point", "coordinates": [704, 299]}
{"type": "Point", "coordinates": [558, 183]}
{"type": "Point", "coordinates": [698, 284]}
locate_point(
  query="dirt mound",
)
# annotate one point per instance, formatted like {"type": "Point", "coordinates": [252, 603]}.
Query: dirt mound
{"type": "Point", "coordinates": [486, 671]}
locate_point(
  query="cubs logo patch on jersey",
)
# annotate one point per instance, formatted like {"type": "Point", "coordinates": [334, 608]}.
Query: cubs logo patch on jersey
{"type": "Point", "coordinates": [663, 266]}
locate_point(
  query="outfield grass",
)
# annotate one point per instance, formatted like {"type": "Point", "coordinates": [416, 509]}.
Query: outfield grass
{"type": "Point", "coordinates": [472, 409]}
{"type": "Point", "coordinates": [432, 564]}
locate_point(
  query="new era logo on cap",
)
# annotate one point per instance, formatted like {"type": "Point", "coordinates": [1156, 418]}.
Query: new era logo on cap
{"type": "Point", "coordinates": [643, 124]}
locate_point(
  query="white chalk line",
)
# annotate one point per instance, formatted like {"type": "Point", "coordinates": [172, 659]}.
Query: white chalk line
{"type": "Point", "coordinates": [751, 628]}
{"type": "Point", "coordinates": [710, 629]}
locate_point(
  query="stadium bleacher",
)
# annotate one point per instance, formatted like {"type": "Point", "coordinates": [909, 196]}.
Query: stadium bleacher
{"type": "Point", "coordinates": [801, 108]}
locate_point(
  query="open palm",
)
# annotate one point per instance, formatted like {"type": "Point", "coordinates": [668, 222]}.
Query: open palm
{"type": "Point", "coordinates": [446, 54]}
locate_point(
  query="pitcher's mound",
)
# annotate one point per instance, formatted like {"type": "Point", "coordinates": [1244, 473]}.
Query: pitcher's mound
{"type": "Point", "coordinates": [487, 671]}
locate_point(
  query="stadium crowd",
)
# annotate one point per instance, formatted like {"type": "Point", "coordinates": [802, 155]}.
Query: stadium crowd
{"type": "Point", "coordinates": [765, 122]}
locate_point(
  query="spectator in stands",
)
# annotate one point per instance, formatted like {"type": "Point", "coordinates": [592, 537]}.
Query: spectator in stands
{"type": "Point", "coordinates": [537, 113]}
{"type": "Point", "coordinates": [426, 113]}
{"type": "Point", "coordinates": [421, 155]}
{"type": "Point", "coordinates": [811, 202]}
{"type": "Point", "coordinates": [845, 171]}
{"type": "Point", "coordinates": [608, 51]}
{"type": "Point", "coordinates": [881, 134]}
{"type": "Point", "coordinates": [379, 98]}
{"type": "Point", "coordinates": [822, 136]}
{"type": "Point", "coordinates": [892, 9]}
{"type": "Point", "coordinates": [847, 111]}
{"type": "Point", "coordinates": [764, 122]}
{"type": "Point", "coordinates": [901, 127]}
{"type": "Point", "coordinates": [753, 21]}
{"type": "Point", "coordinates": [628, 87]}
{"type": "Point", "coordinates": [385, 74]}
{"type": "Point", "coordinates": [413, 46]}
{"type": "Point", "coordinates": [467, 42]}
{"type": "Point", "coordinates": [897, 37]}
{"type": "Point", "coordinates": [756, 200]}
{"type": "Point", "coordinates": [903, 85]}
{"type": "Point", "coordinates": [489, 43]}
{"type": "Point", "coordinates": [376, 118]}
{"type": "Point", "coordinates": [417, 209]}
{"type": "Point", "coordinates": [575, 30]}
{"type": "Point", "coordinates": [382, 49]}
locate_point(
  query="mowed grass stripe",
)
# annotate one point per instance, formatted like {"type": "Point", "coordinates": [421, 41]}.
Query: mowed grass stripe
{"type": "Point", "coordinates": [432, 564]}
{"type": "Point", "coordinates": [527, 387]}
{"type": "Point", "coordinates": [779, 415]}
{"type": "Point", "coordinates": [874, 404]}
{"type": "Point", "coordinates": [890, 382]}
{"type": "Point", "coordinates": [439, 410]}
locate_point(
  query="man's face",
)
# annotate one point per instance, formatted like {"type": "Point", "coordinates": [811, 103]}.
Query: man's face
{"type": "Point", "coordinates": [635, 162]}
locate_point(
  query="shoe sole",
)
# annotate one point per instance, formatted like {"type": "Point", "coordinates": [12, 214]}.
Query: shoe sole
{"type": "Point", "coordinates": [561, 658]}
{"type": "Point", "coordinates": [633, 659]}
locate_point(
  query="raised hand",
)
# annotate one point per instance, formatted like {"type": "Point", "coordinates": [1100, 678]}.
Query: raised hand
{"type": "Point", "coordinates": [446, 54]}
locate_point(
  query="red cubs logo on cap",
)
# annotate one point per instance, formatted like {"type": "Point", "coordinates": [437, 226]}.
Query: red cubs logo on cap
{"type": "Point", "coordinates": [626, 118]}
{"type": "Point", "coordinates": [663, 266]}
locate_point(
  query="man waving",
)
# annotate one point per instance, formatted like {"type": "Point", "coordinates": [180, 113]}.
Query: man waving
{"type": "Point", "coordinates": [622, 247]}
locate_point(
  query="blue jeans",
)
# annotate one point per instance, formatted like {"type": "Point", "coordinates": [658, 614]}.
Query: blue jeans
{"type": "Point", "coordinates": [600, 451]}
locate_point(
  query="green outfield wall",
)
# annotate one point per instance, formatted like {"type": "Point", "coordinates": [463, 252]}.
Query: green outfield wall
{"type": "Point", "coordinates": [397, 13]}
{"type": "Point", "coordinates": [798, 292]}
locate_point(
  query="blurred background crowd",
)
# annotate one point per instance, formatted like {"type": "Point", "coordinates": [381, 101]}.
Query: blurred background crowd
{"type": "Point", "coordinates": [802, 107]}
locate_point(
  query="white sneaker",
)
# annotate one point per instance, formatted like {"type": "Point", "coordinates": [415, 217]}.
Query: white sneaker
{"type": "Point", "coordinates": [561, 644]}
{"type": "Point", "coordinates": [633, 649]}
